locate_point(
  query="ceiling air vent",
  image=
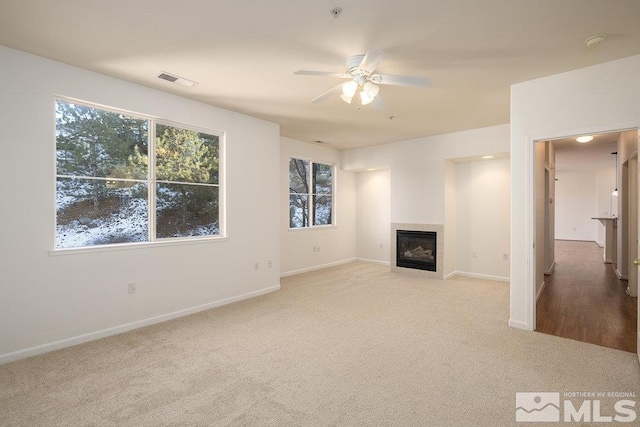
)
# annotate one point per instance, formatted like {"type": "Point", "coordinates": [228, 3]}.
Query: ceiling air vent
{"type": "Point", "coordinates": [176, 79]}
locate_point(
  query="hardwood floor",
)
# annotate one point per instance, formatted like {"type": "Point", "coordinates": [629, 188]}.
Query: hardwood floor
{"type": "Point", "coordinates": [584, 300]}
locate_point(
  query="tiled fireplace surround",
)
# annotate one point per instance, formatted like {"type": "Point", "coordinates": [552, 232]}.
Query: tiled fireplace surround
{"type": "Point", "coordinates": [439, 229]}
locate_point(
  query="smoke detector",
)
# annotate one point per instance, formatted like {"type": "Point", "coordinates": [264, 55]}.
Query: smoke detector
{"type": "Point", "coordinates": [594, 41]}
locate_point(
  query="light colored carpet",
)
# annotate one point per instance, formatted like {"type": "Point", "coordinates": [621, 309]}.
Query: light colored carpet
{"type": "Point", "coordinates": [349, 345]}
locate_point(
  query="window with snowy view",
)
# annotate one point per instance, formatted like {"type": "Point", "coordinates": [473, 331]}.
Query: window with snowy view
{"type": "Point", "coordinates": [107, 193]}
{"type": "Point", "coordinates": [310, 193]}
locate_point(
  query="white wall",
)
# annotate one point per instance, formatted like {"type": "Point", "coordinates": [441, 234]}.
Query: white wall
{"type": "Point", "coordinates": [336, 243]}
{"type": "Point", "coordinates": [373, 213]}
{"type": "Point", "coordinates": [48, 301]}
{"type": "Point", "coordinates": [482, 218]}
{"type": "Point", "coordinates": [579, 197]}
{"type": "Point", "coordinates": [422, 176]}
{"type": "Point", "coordinates": [418, 168]}
{"type": "Point", "coordinates": [576, 203]}
{"type": "Point", "coordinates": [627, 146]}
{"type": "Point", "coordinates": [605, 183]}
{"type": "Point", "coordinates": [595, 99]}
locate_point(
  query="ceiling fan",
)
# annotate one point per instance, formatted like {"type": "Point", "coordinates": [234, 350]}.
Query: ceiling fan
{"type": "Point", "coordinates": [362, 81]}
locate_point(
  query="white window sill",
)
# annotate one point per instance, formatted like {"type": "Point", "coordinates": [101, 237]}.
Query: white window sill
{"type": "Point", "coordinates": [140, 245]}
{"type": "Point", "coordinates": [315, 227]}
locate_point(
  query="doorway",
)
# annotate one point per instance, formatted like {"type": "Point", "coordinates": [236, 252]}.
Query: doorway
{"type": "Point", "coordinates": [580, 294]}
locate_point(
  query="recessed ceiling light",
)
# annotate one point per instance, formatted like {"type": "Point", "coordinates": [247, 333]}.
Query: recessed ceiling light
{"type": "Point", "coordinates": [583, 139]}
{"type": "Point", "coordinates": [487, 157]}
{"type": "Point", "coordinates": [371, 169]}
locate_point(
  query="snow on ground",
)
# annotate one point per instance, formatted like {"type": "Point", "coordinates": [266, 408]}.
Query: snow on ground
{"type": "Point", "coordinates": [129, 224]}
{"type": "Point", "coordinates": [126, 226]}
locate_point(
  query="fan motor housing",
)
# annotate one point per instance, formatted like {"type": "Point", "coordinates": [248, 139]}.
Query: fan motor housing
{"type": "Point", "coordinates": [353, 62]}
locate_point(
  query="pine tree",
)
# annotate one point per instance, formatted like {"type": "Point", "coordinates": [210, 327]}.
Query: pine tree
{"type": "Point", "coordinates": [185, 158]}
{"type": "Point", "coordinates": [96, 143]}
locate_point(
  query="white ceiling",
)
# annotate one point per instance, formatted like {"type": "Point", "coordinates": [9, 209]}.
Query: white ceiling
{"type": "Point", "coordinates": [572, 156]}
{"type": "Point", "coordinates": [244, 52]}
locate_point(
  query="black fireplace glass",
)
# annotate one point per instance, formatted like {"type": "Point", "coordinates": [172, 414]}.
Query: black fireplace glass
{"type": "Point", "coordinates": [416, 249]}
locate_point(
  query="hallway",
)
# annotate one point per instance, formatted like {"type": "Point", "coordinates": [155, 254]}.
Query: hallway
{"type": "Point", "coordinates": [584, 300]}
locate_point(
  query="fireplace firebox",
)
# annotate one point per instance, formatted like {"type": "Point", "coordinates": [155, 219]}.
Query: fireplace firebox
{"type": "Point", "coordinates": [416, 249]}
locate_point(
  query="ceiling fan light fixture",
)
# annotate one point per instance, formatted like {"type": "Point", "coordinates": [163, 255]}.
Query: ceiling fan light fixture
{"type": "Point", "coordinates": [349, 89]}
{"type": "Point", "coordinates": [365, 98]}
{"type": "Point", "coordinates": [371, 89]}
{"type": "Point", "coordinates": [362, 81]}
{"type": "Point", "coordinates": [346, 98]}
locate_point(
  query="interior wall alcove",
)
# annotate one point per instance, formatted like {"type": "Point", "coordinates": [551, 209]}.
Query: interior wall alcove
{"type": "Point", "coordinates": [477, 201]}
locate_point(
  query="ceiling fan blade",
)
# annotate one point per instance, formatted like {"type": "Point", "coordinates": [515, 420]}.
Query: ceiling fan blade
{"type": "Point", "coordinates": [320, 73]}
{"type": "Point", "coordinates": [413, 81]}
{"type": "Point", "coordinates": [378, 104]}
{"type": "Point", "coordinates": [328, 94]}
{"type": "Point", "coordinates": [372, 60]}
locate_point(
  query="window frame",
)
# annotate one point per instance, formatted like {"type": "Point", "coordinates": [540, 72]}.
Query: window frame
{"type": "Point", "coordinates": [152, 239]}
{"type": "Point", "coordinates": [310, 195]}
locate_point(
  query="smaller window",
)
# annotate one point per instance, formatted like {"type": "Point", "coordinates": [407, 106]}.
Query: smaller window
{"type": "Point", "coordinates": [310, 193]}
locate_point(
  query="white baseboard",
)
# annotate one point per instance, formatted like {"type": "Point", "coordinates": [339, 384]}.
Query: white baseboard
{"type": "Point", "coordinates": [600, 244]}
{"type": "Point", "coordinates": [477, 276]}
{"type": "Point", "coordinates": [544, 283]}
{"type": "Point", "coordinates": [548, 272]}
{"type": "Point", "coordinates": [620, 276]}
{"type": "Point", "coordinates": [316, 267]}
{"type": "Point", "coordinates": [374, 261]}
{"type": "Point", "coordinates": [91, 336]}
{"type": "Point", "coordinates": [519, 325]}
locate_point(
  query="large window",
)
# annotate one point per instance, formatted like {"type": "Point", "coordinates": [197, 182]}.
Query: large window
{"type": "Point", "coordinates": [310, 193]}
{"type": "Point", "coordinates": [124, 179]}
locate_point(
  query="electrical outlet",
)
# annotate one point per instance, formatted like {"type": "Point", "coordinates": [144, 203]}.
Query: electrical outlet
{"type": "Point", "coordinates": [131, 287]}
{"type": "Point", "coordinates": [269, 264]}
{"type": "Point", "coordinates": [318, 248]}
{"type": "Point", "coordinates": [474, 254]}
{"type": "Point", "coordinates": [256, 266]}
{"type": "Point", "coordinates": [505, 257]}
{"type": "Point", "coordinates": [381, 246]}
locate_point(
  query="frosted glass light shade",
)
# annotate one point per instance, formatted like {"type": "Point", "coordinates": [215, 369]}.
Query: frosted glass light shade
{"type": "Point", "coordinates": [346, 98]}
{"type": "Point", "coordinates": [349, 89]}
{"type": "Point", "coordinates": [585, 138]}
{"type": "Point", "coordinates": [371, 89]}
{"type": "Point", "coordinates": [365, 98]}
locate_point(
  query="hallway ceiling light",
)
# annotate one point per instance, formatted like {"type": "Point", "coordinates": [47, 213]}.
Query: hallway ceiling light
{"type": "Point", "coordinates": [585, 138]}
{"type": "Point", "coordinates": [487, 157]}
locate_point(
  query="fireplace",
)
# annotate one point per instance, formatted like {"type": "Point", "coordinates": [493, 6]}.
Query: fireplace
{"type": "Point", "coordinates": [416, 249]}
{"type": "Point", "coordinates": [411, 265]}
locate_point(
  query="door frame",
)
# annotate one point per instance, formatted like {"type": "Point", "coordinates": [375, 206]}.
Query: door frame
{"type": "Point", "coordinates": [531, 208]}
